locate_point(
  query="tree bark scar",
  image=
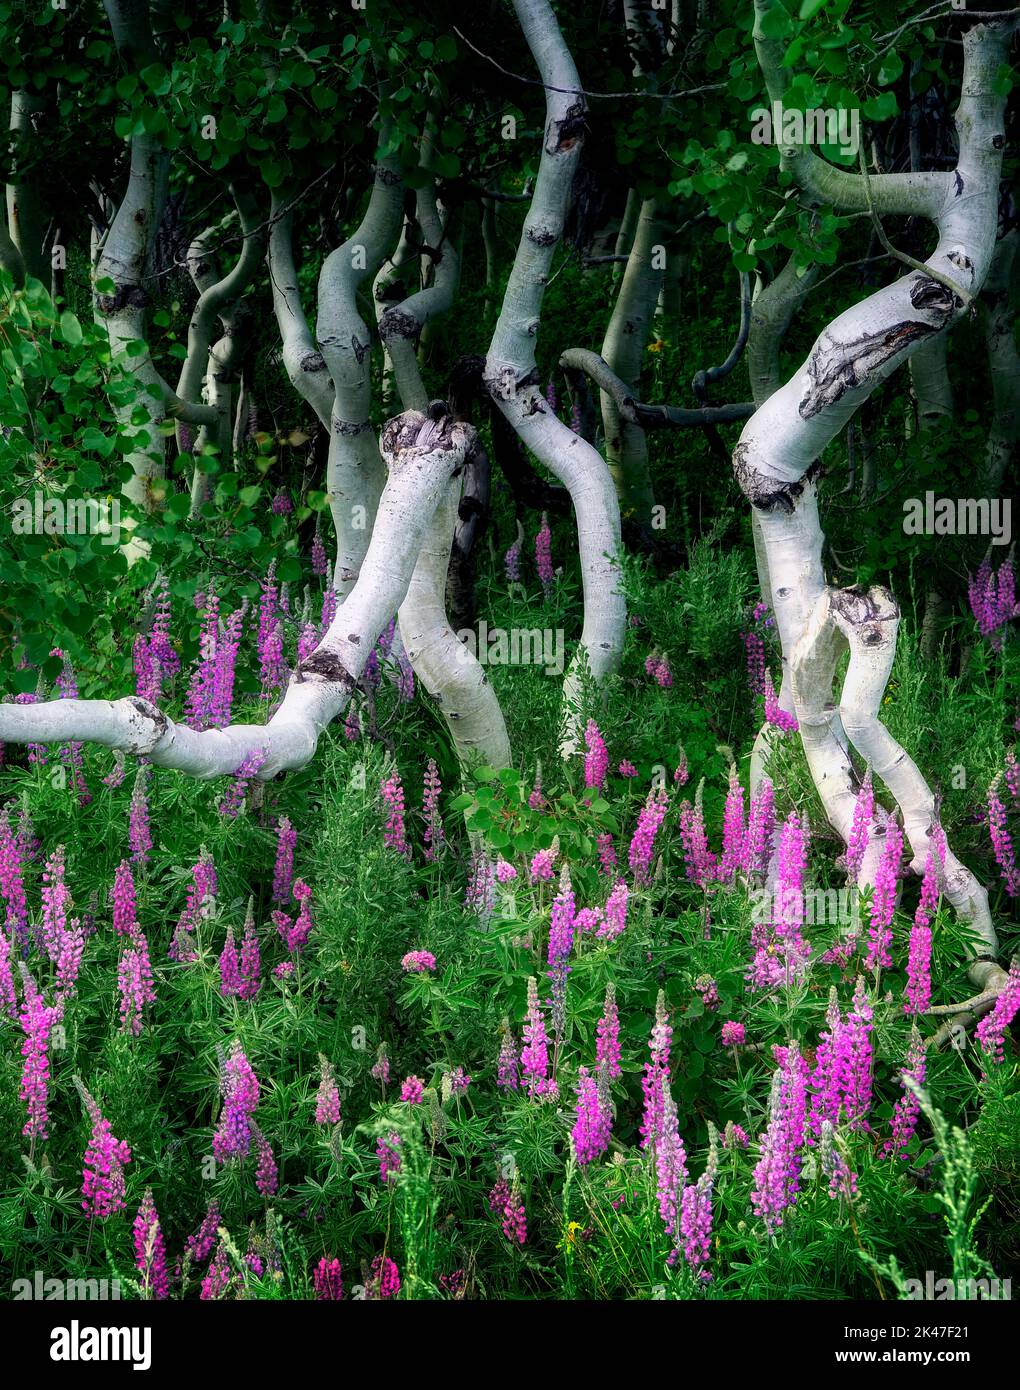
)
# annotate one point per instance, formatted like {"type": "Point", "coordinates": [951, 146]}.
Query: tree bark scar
{"type": "Point", "coordinates": [931, 297]}
{"type": "Point", "coordinates": [359, 349]}
{"type": "Point", "coordinates": [328, 666]}
{"type": "Point", "coordinates": [152, 715]}
{"type": "Point", "coordinates": [835, 368]}
{"type": "Point", "coordinates": [313, 362]}
{"type": "Point", "coordinates": [396, 323]}
{"type": "Point", "coordinates": [865, 610]}
{"type": "Point", "coordinates": [349, 427]}
{"type": "Point", "coordinates": [763, 492]}
{"type": "Point", "coordinates": [541, 236]}
{"type": "Point", "coordinates": [567, 132]}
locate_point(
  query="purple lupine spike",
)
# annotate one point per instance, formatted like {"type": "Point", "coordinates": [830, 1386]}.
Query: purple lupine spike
{"type": "Point", "coordinates": [655, 1081]}
{"type": "Point", "coordinates": [139, 834]}
{"type": "Point", "coordinates": [69, 955]}
{"type": "Point", "coordinates": [596, 761]}
{"type": "Point", "coordinates": [917, 994]}
{"type": "Point", "coordinates": [198, 1246]}
{"type": "Point", "coordinates": [240, 1090]}
{"type": "Point", "coordinates": [221, 699]}
{"type": "Point", "coordinates": [392, 793]}
{"type": "Point", "coordinates": [56, 900]}
{"type": "Point", "coordinates": [1002, 844]}
{"type": "Point", "coordinates": [543, 556]}
{"type": "Point", "coordinates": [249, 769]}
{"type": "Point", "coordinates": [670, 1158]}
{"type": "Point", "coordinates": [512, 563]}
{"type": "Point", "coordinates": [777, 1173]}
{"type": "Point", "coordinates": [328, 613]}
{"type": "Point", "coordinates": [230, 974]}
{"type": "Point", "coordinates": [327, 1098]}
{"type": "Point", "coordinates": [327, 1281]}
{"type": "Point", "coordinates": [652, 814]}
{"type": "Point", "coordinates": [199, 700]}
{"type": "Point", "coordinates": [508, 1063]}
{"type": "Point", "coordinates": [267, 1174]}
{"type": "Point", "coordinates": [8, 996]}
{"type": "Point", "coordinates": [1011, 774]}
{"type": "Point", "coordinates": [785, 722]}
{"type": "Point", "coordinates": [614, 913]}
{"type": "Point", "coordinates": [12, 884]}
{"type": "Point", "coordinates": [991, 1030]}
{"type": "Point", "coordinates": [592, 1123]}
{"type": "Point", "coordinates": [37, 1022]}
{"type": "Point", "coordinates": [864, 811]}
{"type": "Point", "coordinates": [283, 869]}
{"type": "Point", "coordinates": [735, 846]}
{"type": "Point", "coordinates": [250, 965]}
{"type": "Point", "coordinates": [387, 1151]}
{"type": "Point", "coordinates": [122, 899]}
{"type": "Point", "coordinates": [434, 834]}
{"type": "Point", "coordinates": [699, 861]}
{"type": "Point", "coordinates": [607, 854]}
{"type": "Point", "coordinates": [907, 1109]}
{"type": "Point", "coordinates": [883, 901]}
{"type": "Point", "coordinates": [561, 943]}
{"type": "Point", "coordinates": [308, 640]}
{"type": "Point", "coordinates": [607, 1049]}
{"type": "Point", "coordinates": [320, 565]}
{"type": "Point", "coordinates": [535, 1052]}
{"type": "Point", "coordinates": [761, 824]}
{"type": "Point", "coordinates": [993, 599]}
{"type": "Point", "coordinates": [105, 1157]}
{"type": "Point", "coordinates": [150, 1250]}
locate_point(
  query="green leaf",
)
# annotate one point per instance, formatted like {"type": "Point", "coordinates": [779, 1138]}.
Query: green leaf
{"type": "Point", "coordinates": [70, 328]}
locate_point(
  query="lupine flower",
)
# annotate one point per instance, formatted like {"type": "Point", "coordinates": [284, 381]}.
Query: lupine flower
{"type": "Point", "coordinates": [122, 897]}
{"type": "Point", "coordinates": [12, 886]}
{"type": "Point", "coordinates": [392, 793]}
{"type": "Point", "coordinates": [453, 1284]}
{"type": "Point", "coordinates": [55, 903]}
{"type": "Point", "coordinates": [607, 854]}
{"type": "Point", "coordinates": [733, 1034]}
{"type": "Point", "coordinates": [68, 686]}
{"type": "Point", "coordinates": [709, 991]}
{"type": "Point", "coordinates": [434, 835]}
{"type": "Point", "coordinates": [842, 1182]}
{"type": "Point", "coordinates": [297, 937]}
{"type": "Point", "coordinates": [561, 943]}
{"type": "Point", "coordinates": [199, 904]}
{"type": "Point", "coordinates": [135, 990]}
{"type": "Point", "coordinates": [596, 761]}
{"type": "Point", "coordinates": [699, 861]}
{"type": "Point", "coordinates": [535, 798]}
{"type": "Point", "coordinates": [230, 974]}
{"type": "Point", "coordinates": [512, 563]}
{"type": "Point", "coordinates": [36, 751]}
{"type": "Point", "coordinates": [682, 771]}
{"type": "Point", "coordinates": [670, 1157]}
{"type": "Point", "coordinates": [150, 1251]}
{"type": "Point", "coordinates": [993, 599]}
{"type": "Point", "coordinates": [735, 1136]}
{"type": "Point", "coordinates": [786, 723]}
{"type": "Point", "coordinates": [541, 867]}
{"type": "Point", "coordinates": [1012, 774]}
{"type": "Point", "coordinates": [69, 954]}
{"type": "Point", "coordinates": [385, 1278]}
{"type": "Point", "coordinates": [199, 700]}
{"type": "Point", "coordinates": [139, 836]}
{"type": "Point", "coordinates": [883, 901]}
{"type": "Point", "coordinates": [864, 811]}
{"type": "Point", "coordinates": [199, 1245]}
{"type": "Point", "coordinates": [228, 642]}
{"type": "Point", "coordinates": [105, 1157]}
{"type": "Point", "coordinates": [269, 641]}
{"type": "Point", "coordinates": [592, 1124]}
{"type": "Point", "coordinates": [755, 649]}
{"type": "Point", "coordinates": [777, 1173]}
{"type": "Point", "coordinates": [352, 725]}
{"type": "Point", "coordinates": [251, 765]}
{"type": "Point", "coordinates": [220, 1277]}
{"type": "Point", "coordinates": [515, 1226]}
{"type": "Point", "coordinates": [480, 892]}
{"type": "Point", "coordinates": [418, 962]}
{"type": "Point", "coordinates": [250, 967]}
{"type": "Point", "coordinates": [413, 1090]}
{"type": "Point", "coordinates": [327, 1277]}
{"type": "Point", "coordinates": [507, 1065]}
{"type": "Point", "coordinates": [735, 847]}
{"type": "Point", "coordinates": [588, 920]}
{"type": "Point", "coordinates": [696, 1220]}
{"type": "Point", "coordinates": [607, 1048]}
{"type": "Point", "coordinates": [387, 1151]}
{"type": "Point", "coordinates": [37, 1020]}
{"type": "Point", "coordinates": [267, 1174]}
{"type": "Point", "coordinates": [282, 504]}
{"type": "Point", "coordinates": [240, 1090]}
{"type": "Point", "coordinates": [505, 872]}
{"type": "Point", "coordinates": [320, 564]}
{"type": "Point", "coordinates": [918, 991]}
{"type": "Point", "coordinates": [457, 1081]}
{"type": "Point", "coordinates": [761, 822]}
{"type": "Point", "coordinates": [652, 814]}
{"type": "Point", "coordinates": [8, 997]}
{"type": "Point", "coordinates": [991, 1030]}
{"type": "Point", "coordinates": [1002, 844]}
{"type": "Point", "coordinates": [857, 1101]}
{"type": "Point", "coordinates": [655, 1081]}
{"type": "Point", "coordinates": [907, 1109]}
{"type": "Point", "coordinates": [627, 768]}
{"type": "Point", "coordinates": [381, 1067]}
{"type": "Point", "coordinates": [657, 666]}
{"type": "Point", "coordinates": [535, 1052]}
{"type": "Point", "coordinates": [329, 602]}
{"type": "Point", "coordinates": [327, 1099]}
{"type": "Point", "coordinates": [614, 914]}
{"type": "Point", "coordinates": [543, 556]}
{"type": "Point", "coordinates": [283, 869]}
